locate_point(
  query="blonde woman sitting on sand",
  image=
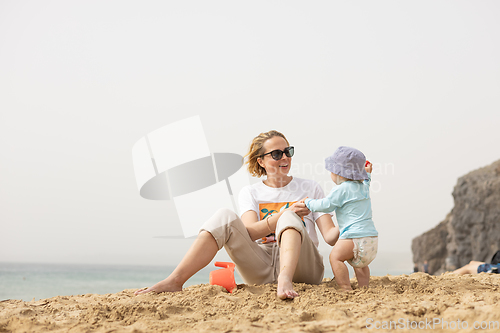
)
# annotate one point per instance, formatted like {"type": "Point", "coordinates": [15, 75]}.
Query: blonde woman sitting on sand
{"type": "Point", "coordinates": [275, 239]}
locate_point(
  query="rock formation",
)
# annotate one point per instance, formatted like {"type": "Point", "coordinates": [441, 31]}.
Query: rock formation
{"type": "Point", "coordinates": [471, 231]}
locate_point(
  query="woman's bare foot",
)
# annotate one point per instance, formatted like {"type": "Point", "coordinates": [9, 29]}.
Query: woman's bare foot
{"type": "Point", "coordinates": [285, 288]}
{"type": "Point", "coordinates": [160, 287]}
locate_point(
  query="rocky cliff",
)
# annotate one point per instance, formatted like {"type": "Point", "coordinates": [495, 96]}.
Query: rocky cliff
{"type": "Point", "coordinates": [471, 231]}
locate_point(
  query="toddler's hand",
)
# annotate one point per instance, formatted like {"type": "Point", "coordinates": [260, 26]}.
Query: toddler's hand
{"type": "Point", "coordinates": [368, 166]}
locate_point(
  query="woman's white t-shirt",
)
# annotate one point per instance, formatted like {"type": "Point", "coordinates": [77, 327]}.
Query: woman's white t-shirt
{"type": "Point", "coordinates": [266, 200]}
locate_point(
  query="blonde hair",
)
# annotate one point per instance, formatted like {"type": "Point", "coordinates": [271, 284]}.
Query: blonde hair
{"type": "Point", "coordinates": [256, 150]}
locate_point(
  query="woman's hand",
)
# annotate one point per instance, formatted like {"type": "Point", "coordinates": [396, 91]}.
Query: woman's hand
{"type": "Point", "coordinates": [299, 208]}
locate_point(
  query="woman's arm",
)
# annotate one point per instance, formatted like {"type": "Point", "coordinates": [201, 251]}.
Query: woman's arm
{"type": "Point", "coordinates": [256, 229]}
{"type": "Point", "coordinates": [260, 228]}
{"type": "Point", "coordinates": [329, 231]}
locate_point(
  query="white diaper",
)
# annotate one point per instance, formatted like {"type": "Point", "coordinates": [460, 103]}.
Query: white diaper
{"type": "Point", "coordinates": [365, 250]}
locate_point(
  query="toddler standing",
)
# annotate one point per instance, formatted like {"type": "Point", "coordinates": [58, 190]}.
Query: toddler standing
{"type": "Point", "coordinates": [351, 202]}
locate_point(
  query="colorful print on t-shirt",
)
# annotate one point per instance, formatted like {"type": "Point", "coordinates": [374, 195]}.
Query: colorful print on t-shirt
{"type": "Point", "coordinates": [271, 208]}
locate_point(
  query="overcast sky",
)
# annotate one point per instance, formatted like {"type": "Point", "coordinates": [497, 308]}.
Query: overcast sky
{"type": "Point", "coordinates": [415, 85]}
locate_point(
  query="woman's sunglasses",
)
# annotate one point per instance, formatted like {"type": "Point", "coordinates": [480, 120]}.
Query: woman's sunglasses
{"type": "Point", "coordinates": [278, 154]}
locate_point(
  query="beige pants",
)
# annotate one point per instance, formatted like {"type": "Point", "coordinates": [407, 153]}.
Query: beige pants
{"type": "Point", "coordinates": [259, 263]}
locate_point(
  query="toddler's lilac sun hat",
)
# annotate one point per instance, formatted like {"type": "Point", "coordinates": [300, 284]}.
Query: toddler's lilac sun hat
{"type": "Point", "coordinates": [347, 162]}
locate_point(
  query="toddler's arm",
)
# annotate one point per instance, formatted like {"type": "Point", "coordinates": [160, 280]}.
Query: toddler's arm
{"type": "Point", "coordinates": [368, 168]}
{"type": "Point", "coordinates": [320, 205]}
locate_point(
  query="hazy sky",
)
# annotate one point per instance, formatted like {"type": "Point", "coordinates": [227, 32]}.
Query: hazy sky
{"type": "Point", "coordinates": [415, 85]}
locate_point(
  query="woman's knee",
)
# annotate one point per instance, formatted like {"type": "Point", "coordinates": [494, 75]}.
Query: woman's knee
{"type": "Point", "coordinates": [226, 213]}
{"type": "Point", "coordinates": [289, 219]}
{"type": "Point", "coordinates": [289, 222]}
{"type": "Point", "coordinates": [221, 218]}
{"type": "Point", "coordinates": [288, 214]}
{"type": "Point", "coordinates": [221, 225]}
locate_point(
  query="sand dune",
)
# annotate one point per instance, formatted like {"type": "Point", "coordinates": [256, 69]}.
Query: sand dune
{"type": "Point", "coordinates": [405, 303]}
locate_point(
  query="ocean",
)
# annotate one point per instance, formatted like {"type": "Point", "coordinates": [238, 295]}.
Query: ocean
{"type": "Point", "coordinates": [26, 282]}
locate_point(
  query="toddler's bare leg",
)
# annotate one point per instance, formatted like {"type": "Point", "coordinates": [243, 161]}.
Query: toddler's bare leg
{"type": "Point", "coordinates": [342, 251]}
{"type": "Point", "coordinates": [363, 276]}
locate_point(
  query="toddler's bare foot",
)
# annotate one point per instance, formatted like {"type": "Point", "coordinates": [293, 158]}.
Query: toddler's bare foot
{"type": "Point", "coordinates": [345, 290]}
{"type": "Point", "coordinates": [285, 288]}
{"type": "Point", "coordinates": [160, 287]}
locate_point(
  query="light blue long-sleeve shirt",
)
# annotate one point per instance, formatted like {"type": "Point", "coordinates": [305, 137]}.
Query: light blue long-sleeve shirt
{"type": "Point", "coordinates": [352, 205]}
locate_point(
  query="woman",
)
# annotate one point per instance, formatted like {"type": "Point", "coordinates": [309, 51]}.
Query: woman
{"type": "Point", "coordinates": [275, 238]}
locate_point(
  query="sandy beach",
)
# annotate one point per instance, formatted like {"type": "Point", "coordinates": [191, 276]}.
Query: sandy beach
{"type": "Point", "coordinates": [405, 303]}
